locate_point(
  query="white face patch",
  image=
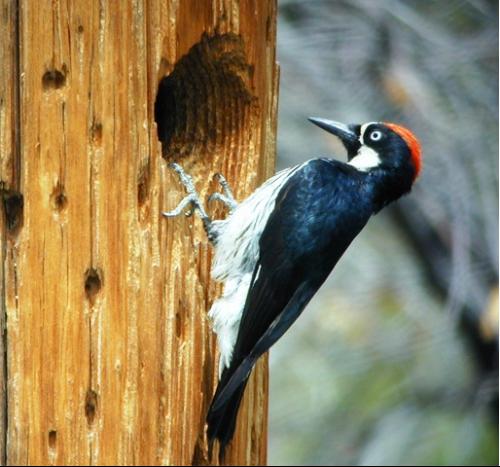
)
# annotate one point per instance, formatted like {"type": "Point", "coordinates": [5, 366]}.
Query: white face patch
{"type": "Point", "coordinates": [366, 158]}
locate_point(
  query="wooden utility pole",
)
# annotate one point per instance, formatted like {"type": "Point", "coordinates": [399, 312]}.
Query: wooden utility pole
{"type": "Point", "coordinates": [107, 356]}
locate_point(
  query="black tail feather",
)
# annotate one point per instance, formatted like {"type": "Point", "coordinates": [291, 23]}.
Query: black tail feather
{"type": "Point", "coordinates": [222, 422]}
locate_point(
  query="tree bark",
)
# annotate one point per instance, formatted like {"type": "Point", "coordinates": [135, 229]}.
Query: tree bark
{"type": "Point", "coordinates": [108, 356]}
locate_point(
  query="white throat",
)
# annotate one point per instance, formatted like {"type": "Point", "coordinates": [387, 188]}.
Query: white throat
{"type": "Point", "coordinates": [366, 159]}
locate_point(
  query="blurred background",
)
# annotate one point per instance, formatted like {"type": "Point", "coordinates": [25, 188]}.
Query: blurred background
{"type": "Point", "coordinates": [395, 361]}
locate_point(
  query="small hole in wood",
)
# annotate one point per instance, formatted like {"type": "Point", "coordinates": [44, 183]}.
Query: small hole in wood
{"type": "Point", "coordinates": [93, 284]}
{"type": "Point", "coordinates": [206, 101]}
{"type": "Point", "coordinates": [54, 78]}
{"type": "Point", "coordinates": [96, 132]}
{"type": "Point", "coordinates": [58, 198]}
{"type": "Point", "coordinates": [143, 183]}
{"type": "Point", "coordinates": [13, 204]}
{"type": "Point", "coordinates": [91, 406]}
{"type": "Point", "coordinates": [178, 324]}
{"type": "Point", "coordinates": [52, 439]}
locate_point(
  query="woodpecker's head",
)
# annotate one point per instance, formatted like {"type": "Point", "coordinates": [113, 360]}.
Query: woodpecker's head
{"type": "Point", "coordinates": [386, 149]}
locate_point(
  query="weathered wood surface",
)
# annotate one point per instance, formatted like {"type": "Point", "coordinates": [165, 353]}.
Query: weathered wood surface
{"type": "Point", "coordinates": [109, 357]}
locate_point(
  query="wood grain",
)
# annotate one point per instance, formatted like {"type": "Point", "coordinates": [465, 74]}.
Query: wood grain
{"type": "Point", "coordinates": [11, 200]}
{"type": "Point", "coordinates": [110, 357]}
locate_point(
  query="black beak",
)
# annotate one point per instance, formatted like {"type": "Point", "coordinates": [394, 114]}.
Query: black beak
{"type": "Point", "coordinates": [348, 134]}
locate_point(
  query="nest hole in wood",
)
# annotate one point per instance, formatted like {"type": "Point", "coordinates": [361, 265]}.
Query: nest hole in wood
{"type": "Point", "coordinates": [206, 102]}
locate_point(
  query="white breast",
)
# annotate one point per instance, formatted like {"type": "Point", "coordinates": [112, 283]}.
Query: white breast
{"type": "Point", "coordinates": [236, 253]}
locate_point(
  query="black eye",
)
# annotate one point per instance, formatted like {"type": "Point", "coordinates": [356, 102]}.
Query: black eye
{"type": "Point", "coordinates": [376, 135]}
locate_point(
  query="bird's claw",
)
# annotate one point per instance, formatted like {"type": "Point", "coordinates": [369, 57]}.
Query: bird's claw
{"type": "Point", "coordinates": [214, 197]}
{"type": "Point", "coordinates": [193, 203]}
{"type": "Point", "coordinates": [192, 199]}
{"type": "Point", "coordinates": [225, 185]}
{"type": "Point", "coordinates": [219, 177]}
{"type": "Point", "coordinates": [230, 203]}
{"type": "Point", "coordinates": [227, 198]}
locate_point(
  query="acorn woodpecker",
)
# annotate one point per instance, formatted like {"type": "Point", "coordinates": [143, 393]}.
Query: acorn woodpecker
{"type": "Point", "coordinates": [276, 248]}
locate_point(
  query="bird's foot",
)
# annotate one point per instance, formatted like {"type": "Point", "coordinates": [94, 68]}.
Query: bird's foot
{"type": "Point", "coordinates": [192, 200]}
{"type": "Point", "coordinates": [227, 198]}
